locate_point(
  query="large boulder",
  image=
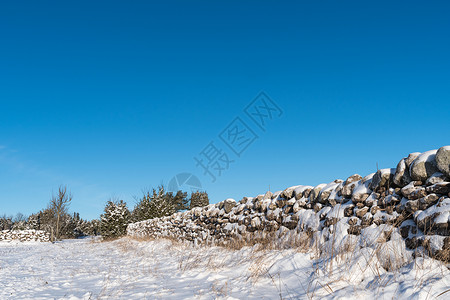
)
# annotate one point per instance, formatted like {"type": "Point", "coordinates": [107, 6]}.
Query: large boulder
{"type": "Point", "coordinates": [361, 191]}
{"type": "Point", "coordinates": [424, 166]}
{"type": "Point", "coordinates": [402, 176]}
{"type": "Point", "coordinates": [436, 178]}
{"type": "Point", "coordinates": [382, 178]}
{"type": "Point", "coordinates": [413, 192]}
{"type": "Point", "coordinates": [349, 185]}
{"type": "Point", "coordinates": [268, 195]}
{"type": "Point", "coordinates": [302, 191]}
{"type": "Point", "coordinates": [399, 175]}
{"type": "Point", "coordinates": [228, 205]}
{"type": "Point", "coordinates": [289, 192]}
{"type": "Point", "coordinates": [315, 192]}
{"type": "Point", "coordinates": [443, 160]}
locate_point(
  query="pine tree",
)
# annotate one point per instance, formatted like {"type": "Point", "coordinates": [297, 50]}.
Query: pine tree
{"type": "Point", "coordinates": [141, 211]}
{"type": "Point", "coordinates": [179, 200]}
{"type": "Point", "coordinates": [160, 204]}
{"type": "Point", "coordinates": [115, 219]}
{"type": "Point", "coordinates": [199, 199]}
{"type": "Point", "coordinates": [34, 222]}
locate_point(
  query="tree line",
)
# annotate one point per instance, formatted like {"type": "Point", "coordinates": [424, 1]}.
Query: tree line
{"type": "Point", "coordinates": [155, 204]}
{"type": "Point", "coordinates": [56, 219]}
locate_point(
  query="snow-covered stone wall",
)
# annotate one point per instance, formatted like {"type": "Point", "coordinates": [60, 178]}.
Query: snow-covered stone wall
{"type": "Point", "coordinates": [24, 235]}
{"type": "Point", "coordinates": [410, 202]}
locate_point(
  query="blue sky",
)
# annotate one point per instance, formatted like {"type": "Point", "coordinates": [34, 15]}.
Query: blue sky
{"type": "Point", "coordinates": [113, 97]}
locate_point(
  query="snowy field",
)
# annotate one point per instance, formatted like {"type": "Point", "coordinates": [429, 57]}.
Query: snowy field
{"type": "Point", "coordinates": [162, 269]}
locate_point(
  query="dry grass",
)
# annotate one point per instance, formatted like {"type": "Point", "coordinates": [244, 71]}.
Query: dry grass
{"type": "Point", "coordinates": [334, 265]}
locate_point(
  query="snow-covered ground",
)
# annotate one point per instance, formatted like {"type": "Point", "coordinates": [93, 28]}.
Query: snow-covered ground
{"type": "Point", "coordinates": [161, 269]}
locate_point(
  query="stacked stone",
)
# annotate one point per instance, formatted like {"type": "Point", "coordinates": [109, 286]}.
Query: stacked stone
{"type": "Point", "coordinates": [24, 235]}
{"type": "Point", "coordinates": [414, 197]}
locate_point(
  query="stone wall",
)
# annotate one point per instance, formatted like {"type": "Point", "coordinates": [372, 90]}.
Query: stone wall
{"type": "Point", "coordinates": [412, 200]}
{"type": "Point", "coordinates": [24, 235]}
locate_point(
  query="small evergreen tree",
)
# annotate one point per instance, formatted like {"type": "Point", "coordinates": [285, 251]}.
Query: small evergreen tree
{"type": "Point", "coordinates": [114, 221]}
{"type": "Point", "coordinates": [199, 199]}
{"type": "Point", "coordinates": [160, 204]}
{"type": "Point", "coordinates": [34, 222]}
{"type": "Point", "coordinates": [141, 211]}
{"type": "Point", "coordinates": [90, 227]}
{"type": "Point", "coordinates": [179, 200]}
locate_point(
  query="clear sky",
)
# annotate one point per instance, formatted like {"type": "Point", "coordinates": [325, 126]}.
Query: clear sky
{"type": "Point", "coordinates": [114, 97]}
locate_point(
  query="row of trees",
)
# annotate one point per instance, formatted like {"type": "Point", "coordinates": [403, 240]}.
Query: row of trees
{"type": "Point", "coordinates": [155, 204]}
{"type": "Point", "coordinates": [57, 220]}
{"type": "Point", "coordinates": [54, 219]}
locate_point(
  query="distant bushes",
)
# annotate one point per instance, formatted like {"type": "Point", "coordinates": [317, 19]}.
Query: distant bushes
{"type": "Point", "coordinates": [60, 224]}
{"type": "Point", "coordinates": [72, 226]}
{"type": "Point", "coordinates": [55, 219]}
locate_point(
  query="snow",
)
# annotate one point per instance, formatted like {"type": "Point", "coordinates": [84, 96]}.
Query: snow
{"type": "Point", "coordinates": [372, 199]}
{"type": "Point", "coordinates": [442, 208]}
{"type": "Point", "coordinates": [426, 156]}
{"type": "Point", "coordinates": [362, 187]}
{"type": "Point", "coordinates": [301, 188]}
{"type": "Point", "coordinates": [162, 269]}
{"type": "Point", "coordinates": [338, 210]}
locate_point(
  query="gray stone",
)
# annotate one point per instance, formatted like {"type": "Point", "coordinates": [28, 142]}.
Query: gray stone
{"type": "Point", "coordinates": [401, 176]}
{"type": "Point", "coordinates": [297, 206]}
{"type": "Point", "coordinates": [348, 211]}
{"type": "Point", "coordinates": [427, 201]}
{"type": "Point", "coordinates": [349, 185]}
{"type": "Point", "coordinates": [361, 212]}
{"type": "Point", "coordinates": [277, 195]}
{"type": "Point", "coordinates": [315, 192]}
{"type": "Point", "coordinates": [372, 199]}
{"type": "Point", "coordinates": [268, 195]}
{"type": "Point", "coordinates": [424, 166]}
{"type": "Point", "coordinates": [355, 230]}
{"type": "Point", "coordinates": [411, 158]}
{"type": "Point", "coordinates": [443, 160]}
{"type": "Point", "coordinates": [353, 178]}
{"type": "Point", "coordinates": [353, 221]}
{"type": "Point", "coordinates": [367, 219]}
{"type": "Point", "coordinates": [382, 178]}
{"type": "Point", "coordinates": [323, 196]}
{"type": "Point", "coordinates": [228, 205]}
{"type": "Point", "coordinates": [412, 192]}
{"type": "Point", "coordinates": [436, 178]}
{"type": "Point", "coordinates": [272, 205]}
{"type": "Point", "coordinates": [359, 197]}
{"type": "Point", "coordinates": [289, 192]}
{"type": "Point", "coordinates": [439, 188]}
{"type": "Point", "coordinates": [412, 206]}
